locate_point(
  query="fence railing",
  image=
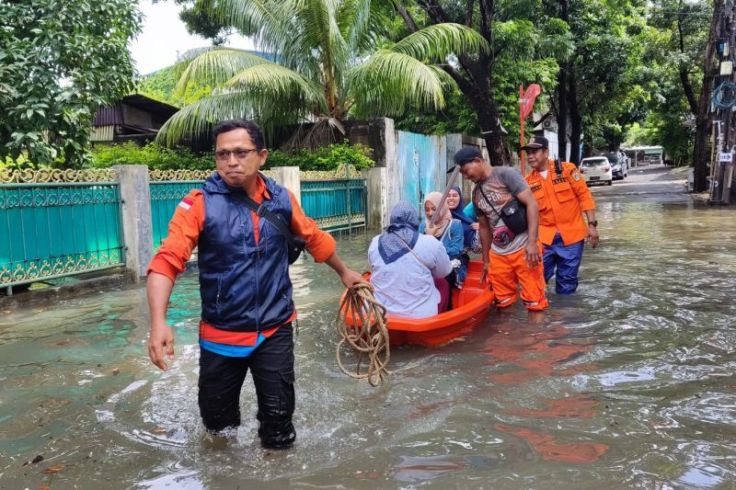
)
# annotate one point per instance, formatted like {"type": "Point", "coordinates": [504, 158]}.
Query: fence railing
{"type": "Point", "coordinates": [58, 224]}
{"type": "Point", "coordinates": [164, 198]}
{"type": "Point", "coordinates": [335, 204]}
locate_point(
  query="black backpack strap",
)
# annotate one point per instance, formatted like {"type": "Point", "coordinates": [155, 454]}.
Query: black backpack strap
{"type": "Point", "coordinates": [272, 218]}
{"type": "Point", "coordinates": [558, 167]}
{"type": "Point", "coordinates": [480, 188]}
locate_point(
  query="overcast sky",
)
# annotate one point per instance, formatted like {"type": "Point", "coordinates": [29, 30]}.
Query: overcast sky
{"type": "Point", "coordinates": [164, 35]}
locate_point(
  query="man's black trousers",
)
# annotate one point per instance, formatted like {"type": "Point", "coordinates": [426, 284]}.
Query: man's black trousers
{"type": "Point", "coordinates": [272, 367]}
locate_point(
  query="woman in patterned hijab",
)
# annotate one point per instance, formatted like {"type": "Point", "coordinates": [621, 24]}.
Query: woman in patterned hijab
{"type": "Point", "coordinates": [401, 234]}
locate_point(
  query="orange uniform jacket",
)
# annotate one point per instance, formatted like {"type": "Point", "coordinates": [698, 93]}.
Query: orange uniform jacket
{"type": "Point", "coordinates": [562, 200]}
{"type": "Point", "coordinates": [188, 223]}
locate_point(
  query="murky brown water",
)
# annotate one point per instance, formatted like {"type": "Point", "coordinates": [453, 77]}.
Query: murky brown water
{"type": "Point", "coordinates": [629, 384]}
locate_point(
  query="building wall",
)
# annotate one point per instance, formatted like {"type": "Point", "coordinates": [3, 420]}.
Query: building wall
{"type": "Point", "coordinates": [136, 117]}
{"type": "Point", "coordinates": [102, 134]}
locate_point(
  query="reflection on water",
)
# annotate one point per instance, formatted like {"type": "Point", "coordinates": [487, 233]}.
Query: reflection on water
{"type": "Point", "coordinates": [631, 382]}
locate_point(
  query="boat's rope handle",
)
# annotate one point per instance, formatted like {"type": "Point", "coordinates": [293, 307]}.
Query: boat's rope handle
{"type": "Point", "coordinates": [367, 333]}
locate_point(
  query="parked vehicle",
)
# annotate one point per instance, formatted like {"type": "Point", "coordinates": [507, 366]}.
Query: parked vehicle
{"type": "Point", "coordinates": [619, 165]}
{"type": "Point", "coordinates": [597, 170]}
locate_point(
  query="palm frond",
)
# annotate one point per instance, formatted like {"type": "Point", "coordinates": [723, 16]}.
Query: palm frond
{"type": "Point", "coordinates": [266, 21]}
{"type": "Point", "coordinates": [435, 43]}
{"type": "Point", "coordinates": [215, 66]}
{"type": "Point", "coordinates": [353, 19]}
{"type": "Point", "coordinates": [322, 33]}
{"type": "Point", "coordinates": [389, 83]}
{"type": "Point", "coordinates": [196, 120]}
{"type": "Point", "coordinates": [279, 83]}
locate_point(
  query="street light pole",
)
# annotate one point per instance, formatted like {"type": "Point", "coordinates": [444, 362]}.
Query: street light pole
{"type": "Point", "coordinates": [722, 101]}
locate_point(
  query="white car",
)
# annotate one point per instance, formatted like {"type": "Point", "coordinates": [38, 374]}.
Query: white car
{"type": "Point", "coordinates": [619, 165]}
{"type": "Point", "coordinates": [597, 170]}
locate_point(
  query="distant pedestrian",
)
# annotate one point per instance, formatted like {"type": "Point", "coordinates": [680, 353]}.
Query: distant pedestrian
{"type": "Point", "coordinates": [563, 198]}
{"type": "Point", "coordinates": [508, 218]}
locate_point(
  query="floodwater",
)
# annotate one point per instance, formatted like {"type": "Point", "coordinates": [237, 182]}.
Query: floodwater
{"type": "Point", "coordinates": [629, 384]}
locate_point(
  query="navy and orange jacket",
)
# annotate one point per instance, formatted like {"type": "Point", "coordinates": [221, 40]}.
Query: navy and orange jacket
{"type": "Point", "coordinates": [243, 264]}
{"type": "Point", "coordinates": [562, 200]}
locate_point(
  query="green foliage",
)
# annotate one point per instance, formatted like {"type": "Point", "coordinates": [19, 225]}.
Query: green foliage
{"type": "Point", "coordinates": [20, 163]}
{"type": "Point", "coordinates": [456, 117]}
{"type": "Point", "coordinates": [161, 85]}
{"type": "Point", "coordinates": [324, 158]}
{"type": "Point", "coordinates": [155, 156]}
{"type": "Point", "coordinates": [59, 61]}
{"type": "Point", "coordinates": [672, 49]}
{"type": "Point", "coordinates": [330, 61]}
{"type": "Point", "coordinates": [152, 155]}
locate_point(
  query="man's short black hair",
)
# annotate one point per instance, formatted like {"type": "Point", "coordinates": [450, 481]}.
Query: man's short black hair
{"type": "Point", "coordinates": [254, 131]}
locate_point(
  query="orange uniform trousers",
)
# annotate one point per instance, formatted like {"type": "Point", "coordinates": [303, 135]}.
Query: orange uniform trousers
{"type": "Point", "coordinates": [509, 272]}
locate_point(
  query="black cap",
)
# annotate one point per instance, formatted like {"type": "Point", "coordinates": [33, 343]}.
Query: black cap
{"type": "Point", "coordinates": [536, 143]}
{"type": "Point", "coordinates": [467, 155]}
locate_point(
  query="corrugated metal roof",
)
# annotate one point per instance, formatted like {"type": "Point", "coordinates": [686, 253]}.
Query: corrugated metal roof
{"type": "Point", "coordinates": [113, 115]}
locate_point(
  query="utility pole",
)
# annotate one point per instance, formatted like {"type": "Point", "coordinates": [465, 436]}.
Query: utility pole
{"type": "Point", "coordinates": [722, 103]}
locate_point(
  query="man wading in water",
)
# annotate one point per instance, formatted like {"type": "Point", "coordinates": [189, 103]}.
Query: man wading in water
{"type": "Point", "coordinates": [247, 308]}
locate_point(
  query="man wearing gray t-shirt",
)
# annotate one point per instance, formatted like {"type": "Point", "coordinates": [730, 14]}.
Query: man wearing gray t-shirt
{"type": "Point", "coordinates": [511, 259]}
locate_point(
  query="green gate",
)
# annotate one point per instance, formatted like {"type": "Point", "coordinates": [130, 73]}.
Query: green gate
{"type": "Point", "coordinates": [52, 229]}
{"type": "Point", "coordinates": [335, 204]}
{"type": "Point", "coordinates": [164, 198]}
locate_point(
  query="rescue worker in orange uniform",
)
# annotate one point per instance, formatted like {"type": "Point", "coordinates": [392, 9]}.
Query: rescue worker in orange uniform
{"type": "Point", "coordinates": [511, 254]}
{"type": "Point", "coordinates": [563, 198]}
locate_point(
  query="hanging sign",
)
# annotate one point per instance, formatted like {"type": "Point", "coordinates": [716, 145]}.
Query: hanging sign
{"type": "Point", "coordinates": [725, 157]}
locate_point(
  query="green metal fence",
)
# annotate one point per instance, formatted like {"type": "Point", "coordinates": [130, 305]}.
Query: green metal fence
{"type": "Point", "coordinates": [335, 204]}
{"type": "Point", "coordinates": [49, 230]}
{"type": "Point", "coordinates": [164, 198]}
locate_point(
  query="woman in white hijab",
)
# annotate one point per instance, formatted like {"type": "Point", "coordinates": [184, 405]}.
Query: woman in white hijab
{"type": "Point", "coordinates": [449, 232]}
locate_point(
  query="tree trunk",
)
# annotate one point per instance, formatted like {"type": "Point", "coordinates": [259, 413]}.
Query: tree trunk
{"type": "Point", "coordinates": [474, 78]}
{"type": "Point", "coordinates": [564, 80]}
{"type": "Point", "coordinates": [702, 121]}
{"type": "Point", "coordinates": [480, 99]}
{"type": "Point", "coordinates": [576, 119]}
{"type": "Point", "coordinates": [562, 112]}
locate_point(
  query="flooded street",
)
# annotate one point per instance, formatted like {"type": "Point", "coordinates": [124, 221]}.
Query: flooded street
{"type": "Point", "coordinates": [629, 384]}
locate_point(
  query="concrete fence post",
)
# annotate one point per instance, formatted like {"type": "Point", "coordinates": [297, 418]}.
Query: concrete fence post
{"type": "Point", "coordinates": [392, 178]}
{"type": "Point", "coordinates": [136, 216]}
{"type": "Point", "coordinates": [290, 178]}
{"type": "Point", "coordinates": [377, 202]}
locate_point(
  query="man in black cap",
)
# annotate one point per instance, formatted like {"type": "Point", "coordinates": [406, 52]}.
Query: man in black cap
{"type": "Point", "coordinates": [563, 198]}
{"type": "Point", "coordinates": [508, 218]}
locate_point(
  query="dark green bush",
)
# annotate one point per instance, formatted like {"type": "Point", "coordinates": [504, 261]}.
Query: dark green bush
{"type": "Point", "coordinates": [153, 155]}
{"type": "Point", "coordinates": [325, 158]}
{"type": "Point", "coordinates": [161, 158]}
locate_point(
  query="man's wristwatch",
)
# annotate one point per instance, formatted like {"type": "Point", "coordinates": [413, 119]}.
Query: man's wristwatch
{"type": "Point", "coordinates": [593, 223]}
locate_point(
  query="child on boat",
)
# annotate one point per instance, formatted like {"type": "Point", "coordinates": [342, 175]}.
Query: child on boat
{"type": "Point", "coordinates": [449, 232]}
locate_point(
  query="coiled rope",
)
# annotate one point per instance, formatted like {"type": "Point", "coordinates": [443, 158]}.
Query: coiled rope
{"type": "Point", "coordinates": [361, 322]}
{"type": "Point", "coordinates": [724, 96]}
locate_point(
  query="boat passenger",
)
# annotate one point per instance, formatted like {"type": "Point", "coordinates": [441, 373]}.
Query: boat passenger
{"type": "Point", "coordinates": [404, 264]}
{"type": "Point", "coordinates": [449, 231]}
{"type": "Point", "coordinates": [467, 217]}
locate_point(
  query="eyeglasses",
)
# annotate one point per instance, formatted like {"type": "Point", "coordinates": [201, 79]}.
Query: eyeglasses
{"type": "Point", "coordinates": [240, 154]}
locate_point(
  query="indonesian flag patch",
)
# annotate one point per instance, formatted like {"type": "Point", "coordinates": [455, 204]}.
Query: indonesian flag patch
{"type": "Point", "coordinates": [186, 203]}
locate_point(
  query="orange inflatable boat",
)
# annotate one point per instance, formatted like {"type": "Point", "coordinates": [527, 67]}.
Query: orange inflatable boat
{"type": "Point", "coordinates": [470, 308]}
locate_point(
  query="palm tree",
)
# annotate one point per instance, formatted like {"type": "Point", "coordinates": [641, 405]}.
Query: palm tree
{"type": "Point", "coordinates": [331, 60]}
